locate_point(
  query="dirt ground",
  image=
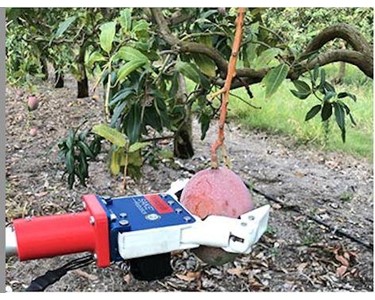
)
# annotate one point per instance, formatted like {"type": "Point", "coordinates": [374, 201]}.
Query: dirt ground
{"type": "Point", "coordinates": [300, 183]}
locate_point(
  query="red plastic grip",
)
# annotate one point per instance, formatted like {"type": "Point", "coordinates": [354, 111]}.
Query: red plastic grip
{"type": "Point", "coordinates": [49, 236]}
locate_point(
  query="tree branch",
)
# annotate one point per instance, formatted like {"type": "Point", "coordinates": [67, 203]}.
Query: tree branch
{"type": "Point", "coordinates": [362, 60]}
{"type": "Point", "coordinates": [344, 31]}
{"type": "Point", "coordinates": [361, 56]}
{"type": "Point", "coordinates": [178, 18]}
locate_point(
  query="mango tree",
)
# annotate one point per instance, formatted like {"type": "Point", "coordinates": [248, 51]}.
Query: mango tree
{"type": "Point", "coordinates": [142, 59]}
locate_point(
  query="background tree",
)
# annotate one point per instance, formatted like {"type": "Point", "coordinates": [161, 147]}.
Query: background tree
{"type": "Point", "coordinates": [143, 58]}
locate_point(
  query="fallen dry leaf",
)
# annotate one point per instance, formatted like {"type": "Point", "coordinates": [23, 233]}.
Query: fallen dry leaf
{"type": "Point", "coordinates": [236, 271]}
{"type": "Point", "coordinates": [189, 276]}
{"type": "Point", "coordinates": [86, 275]}
{"type": "Point", "coordinates": [255, 285]}
{"type": "Point", "coordinates": [342, 260]}
{"type": "Point", "coordinates": [276, 206]}
{"type": "Point", "coordinates": [301, 267]}
{"type": "Point", "coordinates": [127, 278]}
{"type": "Point", "coordinates": [354, 254]}
{"type": "Point", "coordinates": [41, 194]}
{"type": "Point", "coordinates": [340, 271]}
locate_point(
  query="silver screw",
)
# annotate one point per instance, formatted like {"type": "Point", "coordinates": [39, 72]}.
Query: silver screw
{"type": "Point", "coordinates": [92, 220]}
{"type": "Point", "coordinates": [178, 210]}
{"type": "Point", "coordinates": [187, 219]}
{"type": "Point", "coordinates": [123, 215]}
{"type": "Point", "coordinates": [251, 218]}
{"type": "Point", "coordinates": [123, 222]}
{"type": "Point", "coordinates": [243, 224]}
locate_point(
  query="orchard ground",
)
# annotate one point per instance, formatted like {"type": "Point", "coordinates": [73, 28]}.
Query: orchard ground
{"type": "Point", "coordinates": [295, 254]}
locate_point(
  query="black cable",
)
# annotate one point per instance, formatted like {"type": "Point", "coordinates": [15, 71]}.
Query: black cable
{"type": "Point", "coordinates": [40, 283]}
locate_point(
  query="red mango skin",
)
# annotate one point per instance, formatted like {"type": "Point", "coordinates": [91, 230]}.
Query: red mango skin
{"type": "Point", "coordinates": [32, 103]}
{"type": "Point", "coordinates": [218, 192]}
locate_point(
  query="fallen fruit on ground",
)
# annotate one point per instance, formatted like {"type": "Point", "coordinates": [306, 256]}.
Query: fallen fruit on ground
{"type": "Point", "coordinates": [32, 103]}
{"type": "Point", "coordinates": [33, 131]}
{"type": "Point", "coordinates": [219, 192]}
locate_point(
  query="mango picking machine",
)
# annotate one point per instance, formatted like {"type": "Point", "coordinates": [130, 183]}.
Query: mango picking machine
{"type": "Point", "coordinates": [141, 229]}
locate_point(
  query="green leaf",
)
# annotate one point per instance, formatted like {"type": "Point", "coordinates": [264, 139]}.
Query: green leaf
{"type": "Point", "coordinates": [96, 145]}
{"type": "Point", "coordinates": [128, 68]}
{"type": "Point", "coordinates": [328, 87]}
{"type": "Point", "coordinates": [347, 110]}
{"type": "Point", "coordinates": [141, 26]}
{"type": "Point", "coordinates": [135, 159]}
{"type": "Point", "coordinates": [322, 77]}
{"type": "Point", "coordinates": [352, 119]}
{"type": "Point", "coordinates": [129, 54]}
{"type": "Point", "coordinates": [125, 19]}
{"type": "Point", "coordinates": [346, 94]}
{"type": "Point", "coordinates": [340, 119]}
{"type": "Point", "coordinates": [329, 95]}
{"type": "Point", "coordinates": [69, 161]}
{"type": "Point", "coordinates": [137, 146]}
{"type": "Point", "coordinates": [63, 26]}
{"type": "Point", "coordinates": [95, 57]}
{"type": "Point", "coordinates": [70, 139]}
{"type": "Point", "coordinates": [86, 149]}
{"type": "Point", "coordinates": [110, 134]}
{"type": "Point", "coordinates": [274, 78]}
{"type": "Point", "coordinates": [82, 136]}
{"type": "Point", "coordinates": [251, 53]}
{"type": "Point", "coordinates": [265, 57]}
{"type": "Point", "coordinates": [316, 73]}
{"type": "Point", "coordinates": [115, 162]}
{"type": "Point", "coordinates": [302, 86]}
{"type": "Point", "coordinates": [133, 123]}
{"type": "Point", "coordinates": [71, 180]}
{"type": "Point", "coordinates": [174, 86]}
{"type": "Point", "coordinates": [326, 111]}
{"type": "Point", "coordinates": [121, 95]}
{"type": "Point", "coordinates": [254, 28]}
{"type": "Point", "coordinates": [188, 70]}
{"type": "Point", "coordinates": [340, 115]}
{"type": "Point", "coordinates": [119, 109]}
{"type": "Point", "coordinates": [205, 64]}
{"type": "Point", "coordinates": [313, 112]}
{"type": "Point", "coordinates": [107, 34]}
{"type": "Point", "coordinates": [83, 168]}
{"type": "Point", "coordinates": [205, 120]}
{"type": "Point", "coordinates": [300, 95]}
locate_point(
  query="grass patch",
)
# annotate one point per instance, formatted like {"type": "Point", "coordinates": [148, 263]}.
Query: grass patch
{"type": "Point", "coordinates": [284, 114]}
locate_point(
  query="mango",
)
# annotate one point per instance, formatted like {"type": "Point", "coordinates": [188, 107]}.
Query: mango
{"type": "Point", "coordinates": [219, 192]}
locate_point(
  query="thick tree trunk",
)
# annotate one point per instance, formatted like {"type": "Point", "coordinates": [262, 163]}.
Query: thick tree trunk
{"type": "Point", "coordinates": [82, 82]}
{"type": "Point", "coordinates": [44, 65]}
{"type": "Point", "coordinates": [59, 79]}
{"type": "Point", "coordinates": [183, 139]}
{"type": "Point", "coordinates": [83, 85]}
{"type": "Point", "coordinates": [183, 144]}
{"type": "Point", "coordinates": [340, 76]}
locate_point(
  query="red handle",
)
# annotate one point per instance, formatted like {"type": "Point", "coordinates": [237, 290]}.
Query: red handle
{"type": "Point", "coordinates": [54, 235]}
{"type": "Point", "coordinates": [48, 236]}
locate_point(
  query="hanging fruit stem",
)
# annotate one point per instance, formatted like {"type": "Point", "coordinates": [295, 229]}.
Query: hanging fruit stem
{"type": "Point", "coordinates": [231, 72]}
